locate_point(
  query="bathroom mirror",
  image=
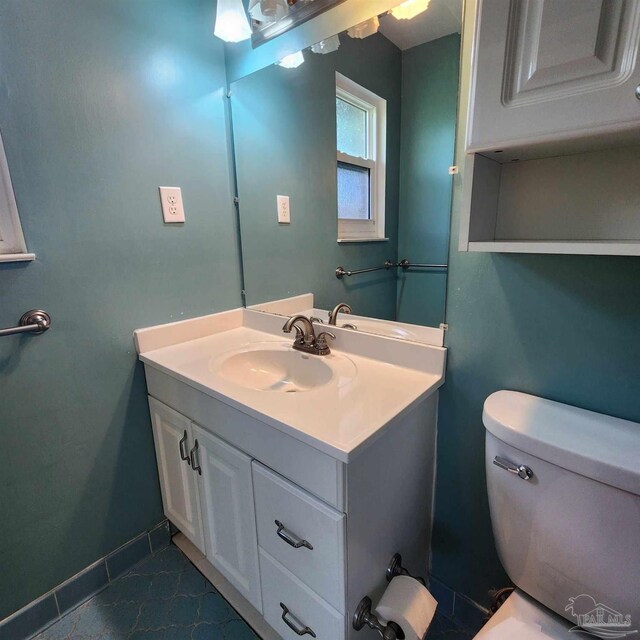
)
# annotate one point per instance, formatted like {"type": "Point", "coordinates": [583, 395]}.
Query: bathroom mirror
{"type": "Point", "coordinates": [342, 156]}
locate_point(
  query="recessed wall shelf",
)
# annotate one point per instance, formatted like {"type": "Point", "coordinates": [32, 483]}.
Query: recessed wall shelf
{"type": "Point", "coordinates": [585, 203]}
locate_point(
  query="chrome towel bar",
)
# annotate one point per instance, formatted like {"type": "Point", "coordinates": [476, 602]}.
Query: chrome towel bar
{"type": "Point", "coordinates": [35, 321]}
{"type": "Point", "coordinates": [388, 264]}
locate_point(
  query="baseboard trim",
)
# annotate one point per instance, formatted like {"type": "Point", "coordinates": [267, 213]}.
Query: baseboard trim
{"type": "Point", "coordinates": [50, 607]}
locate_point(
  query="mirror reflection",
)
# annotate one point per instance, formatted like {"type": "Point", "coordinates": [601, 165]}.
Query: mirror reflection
{"type": "Point", "coordinates": [342, 158]}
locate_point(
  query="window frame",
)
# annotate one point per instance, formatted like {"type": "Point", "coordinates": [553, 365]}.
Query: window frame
{"type": "Point", "coordinates": [376, 110]}
{"type": "Point", "coordinates": [12, 245]}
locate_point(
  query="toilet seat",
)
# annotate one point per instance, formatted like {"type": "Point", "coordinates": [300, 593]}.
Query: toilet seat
{"type": "Point", "coordinates": [524, 609]}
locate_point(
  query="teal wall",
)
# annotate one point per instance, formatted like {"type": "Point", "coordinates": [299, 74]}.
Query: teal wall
{"type": "Point", "coordinates": [429, 99]}
{"type": "Point", "coordinates": [285, 143]}
{"type": "Point", "coordinates": [561, 327]}
{"type": "Point", "coordinates": [100, 102]}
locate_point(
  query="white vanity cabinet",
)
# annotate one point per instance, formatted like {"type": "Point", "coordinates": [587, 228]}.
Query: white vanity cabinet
{"type": "Point", "coordinates": [294, 504]}
{"type": "Point", "coordinates": [544, 71]}
{"type": "Point", "coordinates": [300, 556]}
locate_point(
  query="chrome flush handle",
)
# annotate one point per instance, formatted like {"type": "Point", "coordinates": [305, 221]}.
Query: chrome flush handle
{"type": "Point", "coordinates": [519, 470]}
{"type": "Point", "coordinates": [290, 538]}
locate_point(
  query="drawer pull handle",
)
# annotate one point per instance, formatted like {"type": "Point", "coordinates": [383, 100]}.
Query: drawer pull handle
{"type": "Point", "coordinates": [294, 624]}
{"type": "Point", "coordinates": [290, 538]}
{"type": "Point", "coordinates": [183, 451]}
{"type": "Point", "coordinates": [521, 471]}
{"type": "Point", "coordinates": [195, 464]}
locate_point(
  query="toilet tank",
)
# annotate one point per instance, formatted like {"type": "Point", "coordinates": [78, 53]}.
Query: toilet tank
{"type": "Point", "coordinates": [569, 536]}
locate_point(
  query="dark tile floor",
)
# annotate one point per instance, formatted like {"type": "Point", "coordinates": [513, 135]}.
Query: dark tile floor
{"type": "Point", "coordinates": [167, 598]}
{"type": "Point", "coordinates": [444, 629]}
{"type": "Point", "coordinates": [163, 598]}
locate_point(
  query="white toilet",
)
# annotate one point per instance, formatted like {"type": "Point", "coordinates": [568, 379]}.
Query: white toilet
{"type": "Point", "coordinates": [569, 535]}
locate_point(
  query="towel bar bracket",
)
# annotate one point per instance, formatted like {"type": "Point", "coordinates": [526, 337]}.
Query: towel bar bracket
{"type": "Point", "coordinates": [35, 321]}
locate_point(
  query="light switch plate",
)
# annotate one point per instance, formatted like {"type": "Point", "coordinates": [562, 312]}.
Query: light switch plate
{"type": "Point", "coordinates": [284, 213]}
{"type": "Point", "coordinates": [172, 208]}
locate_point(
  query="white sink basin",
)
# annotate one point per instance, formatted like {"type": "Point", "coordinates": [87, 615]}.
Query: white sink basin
{"type": "Point", "coordinates": [277, 367]}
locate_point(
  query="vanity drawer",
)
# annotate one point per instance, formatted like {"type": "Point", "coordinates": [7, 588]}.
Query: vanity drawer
{"type": "Point", "coordinates": [303, 522]}
{"type": "Point", "coordinates": [285, 598]}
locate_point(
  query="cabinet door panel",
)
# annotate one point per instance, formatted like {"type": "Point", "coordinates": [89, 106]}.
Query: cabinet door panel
{"type": "Point", "coordinates": [178, 482]}
{"type": "Point", "coordinates": [226, 491]}
{"type": "Point", "coordinates": [553, 69]}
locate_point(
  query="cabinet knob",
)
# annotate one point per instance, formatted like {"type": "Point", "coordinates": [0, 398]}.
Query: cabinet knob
{"type": "Point", "coordinates": [638, 92]}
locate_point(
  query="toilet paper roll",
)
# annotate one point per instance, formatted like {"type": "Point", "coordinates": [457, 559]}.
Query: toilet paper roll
{"type": "Point", "coordinates": [410, 605]}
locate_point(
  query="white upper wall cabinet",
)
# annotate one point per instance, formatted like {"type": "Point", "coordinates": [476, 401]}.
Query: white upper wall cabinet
{"type": "Point", "coordinates": [553, 127]}
{"type": "Point", "coordinates": [12, 244]}
{"type": "Point", "coordinates": [547, 71]}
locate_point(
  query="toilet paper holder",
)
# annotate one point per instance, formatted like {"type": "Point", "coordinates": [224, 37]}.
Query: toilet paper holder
{"type": "Point", "coordinates": [395, 568]}
{"type": "Point", "coordinates": [363, 614]}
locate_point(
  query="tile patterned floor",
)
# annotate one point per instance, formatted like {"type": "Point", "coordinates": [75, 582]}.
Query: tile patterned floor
{"type": "Point", "coordinates": [444, 629]}
{"type": "Point", "coordinates": [167, 598]}
{"type": "Point", "coordinates": [163, 598]}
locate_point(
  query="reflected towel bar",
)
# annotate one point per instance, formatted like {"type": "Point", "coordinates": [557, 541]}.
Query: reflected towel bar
{"type": "Point", "coordinates": [404, 264]}
{"type": "Point", "coordinates": [341, 271]}
{"type": "Point", "coordinates": [35, 321]}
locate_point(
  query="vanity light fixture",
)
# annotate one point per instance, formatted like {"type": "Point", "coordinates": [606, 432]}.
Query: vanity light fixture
{"type": "Point", "coordinates": [365, 29]}
{"type": "Point", "coordinates": [409, 9]}
{"type": "Point", "coordinates": [232, 24]}
{"type": "Point", "coordinates": [327, 46]}
{"type": "Point", "coordinates": [292, 61]}
{"type": "Point", "coordinates": [268, 11]}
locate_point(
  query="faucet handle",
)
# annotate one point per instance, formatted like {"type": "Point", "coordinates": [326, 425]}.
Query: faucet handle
{"type": "Point", "coordinates": [315, 319]}
{"type": "Point", "coordinates": [321, 340]}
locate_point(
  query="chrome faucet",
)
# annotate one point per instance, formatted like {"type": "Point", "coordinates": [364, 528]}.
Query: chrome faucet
{"type": "Point", "coordinates": [333, 315]}
{"type": "Point", "coordinates": [306, 339]}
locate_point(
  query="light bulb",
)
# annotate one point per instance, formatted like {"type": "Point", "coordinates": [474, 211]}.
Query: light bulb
{"type": "Point", "coordinates": [292, 61]}
{"type": "Point", "coordinates": [410, 9]}
{"type": "Point", "coordinates": [365, 29]}
{"type": "Point", "coordinates": [327, 46]}
{"type": "Point", "coordinates": [231, 21]}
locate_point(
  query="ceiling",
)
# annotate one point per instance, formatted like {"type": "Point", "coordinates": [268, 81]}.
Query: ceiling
{"type": "Point", "coordinates": [441, 18]}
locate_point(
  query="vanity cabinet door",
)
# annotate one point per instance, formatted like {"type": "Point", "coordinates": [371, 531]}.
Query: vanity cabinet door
{"type": "Point", "coordinates": [172, 433]}
{"type": "Point", "coordinates": [546, 70]}
{"type": "Point", "coordinates": [226, 494]}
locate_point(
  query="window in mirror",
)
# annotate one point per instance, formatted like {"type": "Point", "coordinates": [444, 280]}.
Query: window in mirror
{"type": "Point", "coordinates": [12, 245]}
{"type": "Point", "coordinates": [361, 153]}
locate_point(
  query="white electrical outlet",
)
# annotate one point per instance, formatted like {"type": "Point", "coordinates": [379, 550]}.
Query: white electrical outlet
{"type": "Point", "coordinates": [172, 209]}
{"type": "Point", "coordinates": [284, 214]}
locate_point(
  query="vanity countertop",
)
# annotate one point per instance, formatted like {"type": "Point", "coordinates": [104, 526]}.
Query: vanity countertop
{"type": "Point", "coordinates": [338, 418]}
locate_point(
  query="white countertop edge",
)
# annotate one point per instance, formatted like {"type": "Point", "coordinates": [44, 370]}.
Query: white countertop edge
{"type": "Point", "coordinates": [343, 455]}
{"type": "Point", "coordinates": [165, 335]}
